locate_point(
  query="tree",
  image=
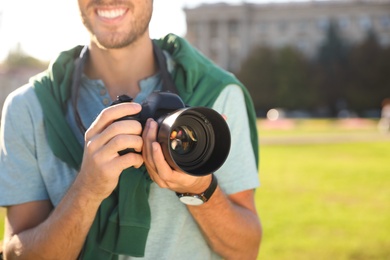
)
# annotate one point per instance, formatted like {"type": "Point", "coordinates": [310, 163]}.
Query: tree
{"type": "Point", "coordinates": [331, 68]}
{"type": "Point", "coordinates": [369, 79]}
{"type": "Point", "coordinates": [17, 58]}
{"type": "Point", "coordinates": [258, 75]}
{"type": "Point", "coordinates": [277, 78]}
{"type": "Point", "coordinates": [293, 80]}
{"type": "Point", "coordinates": [342, 76]}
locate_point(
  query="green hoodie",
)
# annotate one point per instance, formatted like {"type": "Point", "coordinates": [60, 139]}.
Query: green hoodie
{"type": "Point", "coordinates": [123, 220]}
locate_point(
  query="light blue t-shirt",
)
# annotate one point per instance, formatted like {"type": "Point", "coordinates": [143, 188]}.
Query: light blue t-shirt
{"type": "Point", "coordinates": [29, 171]}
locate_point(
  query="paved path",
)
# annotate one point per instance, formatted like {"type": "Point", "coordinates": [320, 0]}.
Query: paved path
{"type": "Point", "coordinates": [324, 139]}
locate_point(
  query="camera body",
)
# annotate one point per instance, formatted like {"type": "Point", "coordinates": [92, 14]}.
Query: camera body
{"type": "Point", "coordinates": [194, 140]}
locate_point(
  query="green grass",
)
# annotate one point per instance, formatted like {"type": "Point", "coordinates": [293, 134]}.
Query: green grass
{"type": "Point", "coordinates": [323, 201]}
{"type": "Point", "coordinates": [2, 215]}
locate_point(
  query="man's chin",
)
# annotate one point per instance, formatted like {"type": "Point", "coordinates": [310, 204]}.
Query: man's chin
{"type": "Point", "coordinates": [113, 43]}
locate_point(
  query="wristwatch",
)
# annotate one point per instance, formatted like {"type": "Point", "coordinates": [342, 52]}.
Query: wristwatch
{"type": "Point", "coordinates": [198, 199]}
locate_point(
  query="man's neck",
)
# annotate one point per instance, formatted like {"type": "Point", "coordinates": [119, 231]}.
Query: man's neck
{"type": "Point", "coordinates": [122, 69]}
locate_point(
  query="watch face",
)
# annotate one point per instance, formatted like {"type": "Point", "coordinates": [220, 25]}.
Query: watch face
{"type": "Point", "coordinates": [191, 200]}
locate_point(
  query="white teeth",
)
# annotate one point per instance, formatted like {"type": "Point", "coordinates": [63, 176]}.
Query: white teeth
{"type": "Point", "coordinates": [111, 14]}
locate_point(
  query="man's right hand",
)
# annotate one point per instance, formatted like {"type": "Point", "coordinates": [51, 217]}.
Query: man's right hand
{"type": "Point", "coordinates": [37, 230]}
{"type": "Point", "coordinates": [102, 165]}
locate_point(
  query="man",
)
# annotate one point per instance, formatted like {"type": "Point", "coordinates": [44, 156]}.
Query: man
{"type": "Point", "coordinates": [69, 194]}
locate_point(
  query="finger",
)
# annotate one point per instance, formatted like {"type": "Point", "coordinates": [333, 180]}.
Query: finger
{"type": "Point", "coordinates": [125, 127]}
{"type": "Point", "coordinates": [150, 129]}
{"type": "Point", "coordinates": [163, 169]}
{"type": "Point", "coordinates": [149, 136]}
{"type": "Point", "coordinates": [129, 160]}
{"type": "Point", "coordinates": [122, 142]}
{"type": "Point", "coordinates": [109, 152]}
{"type": "Point", "coordinates": [109, 115]}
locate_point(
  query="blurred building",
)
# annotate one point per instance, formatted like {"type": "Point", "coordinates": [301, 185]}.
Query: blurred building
{"type": "Point", "coordinates": [227, 33]}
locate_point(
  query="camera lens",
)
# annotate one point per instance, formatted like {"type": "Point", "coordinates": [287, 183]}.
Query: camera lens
{"type": "Point", "coordinates": [193, 144]}
{"type": "Point", "coordinates": [195, 140]}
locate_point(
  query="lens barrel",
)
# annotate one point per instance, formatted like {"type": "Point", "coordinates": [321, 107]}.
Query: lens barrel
{"type": "Point", "coordinates": [195, 140]}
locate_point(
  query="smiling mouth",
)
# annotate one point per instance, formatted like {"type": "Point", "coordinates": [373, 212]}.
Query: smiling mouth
{"type": "Point", "coordinates": [111, 14]}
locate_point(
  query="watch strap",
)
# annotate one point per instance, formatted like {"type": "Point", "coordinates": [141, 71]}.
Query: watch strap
{"type": "Point", "coordinates": [204, 196]}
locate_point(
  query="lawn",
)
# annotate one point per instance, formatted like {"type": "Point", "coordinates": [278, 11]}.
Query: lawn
{"type": "Point", "coordinates": [2, 213]}
{"type": "Point", "coordinates": [324, 199]}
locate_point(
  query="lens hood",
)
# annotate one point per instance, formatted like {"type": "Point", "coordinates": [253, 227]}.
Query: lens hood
{"type": "Point", "coordinates": [195, 140]}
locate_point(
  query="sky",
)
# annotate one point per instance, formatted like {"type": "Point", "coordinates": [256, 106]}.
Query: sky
{"type": "Point", "coordinates": [42, 28]}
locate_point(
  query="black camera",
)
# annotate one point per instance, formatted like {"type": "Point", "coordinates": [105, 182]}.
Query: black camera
{"type": "Point", "coordinates": [195, 140]}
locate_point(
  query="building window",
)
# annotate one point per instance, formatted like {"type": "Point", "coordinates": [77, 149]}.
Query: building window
{"type": "Point", "coordinates": [323, 23]}
{"type": "Point", "coordinates": [302, 25]}
{"type": "Point", "coordinates": [385, 21]}
{"type": "Point", "coordinates": [233, 27]}
{"type": "Point", "coordinates": [262, 26]}
{"type": "Point", "coordinates": [343, 23]}
{"type": "Point", "coordinates": [233, 36]}
{"type": "Point", "coordinates": [365, 23]}
{"type": "Point", "coordinates": [384, 40]}
{"type": "Point", "coordinates": [282, 25]}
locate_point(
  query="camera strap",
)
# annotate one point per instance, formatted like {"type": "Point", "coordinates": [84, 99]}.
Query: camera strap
{"type": "Point", "coordinates": [78, 71]}
{"type": "Point", "coordinates": [167, 81]}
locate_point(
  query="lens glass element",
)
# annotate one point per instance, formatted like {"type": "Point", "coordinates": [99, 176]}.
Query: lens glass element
{"type": "Point", "coordinates": [183, 140]}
